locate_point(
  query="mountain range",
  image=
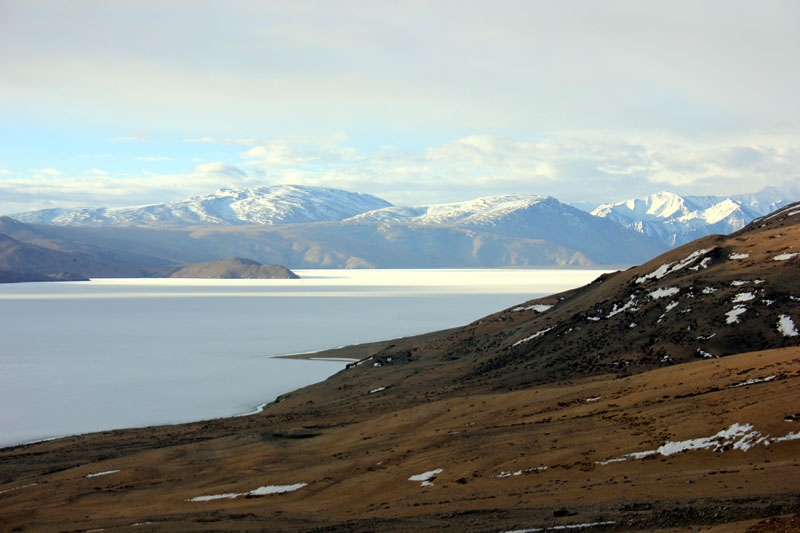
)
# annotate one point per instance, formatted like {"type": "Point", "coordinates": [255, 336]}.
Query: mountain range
{"type": "Point", "coordinates": [676, 220]}
{"type": "Point", "coordinates": [316, 227]}
{"type": "Point", "coordinates": [662, 397]}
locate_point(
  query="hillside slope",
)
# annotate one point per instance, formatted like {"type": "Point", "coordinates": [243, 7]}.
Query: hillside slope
{"type": "Point", "coordinates": [665, 397]}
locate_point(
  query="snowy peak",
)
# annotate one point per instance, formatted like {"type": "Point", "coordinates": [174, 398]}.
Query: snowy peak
{"type": "Point", "coordinates": [479, 212]}
{"type": "Point", "coordinates": [678, 219]}
{"type": "Point", "coordinates": [660, 205]}
{"type": "Point", "coordinates": [268, 206]}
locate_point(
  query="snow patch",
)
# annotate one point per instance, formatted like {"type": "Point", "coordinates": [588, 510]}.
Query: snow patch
{"type": "Point", "coordinates": [709, 290]}
{"type": "Point", "coordinates": [743, 297]}
{"type": "Point", "coordinates": [795, 435]}
{"type": "Point", "coordinates": [753, 381]}
{"type": "Point", "coordinates": [426, 478]}
{"type": "Point", "coordinates": [627, 305]}
{"type": "Point", "coordinates": [18, 488]}
{"type": "Point", "coordinates": [670, 268]}
{"type": "Point", "coordinates": [379, 389]}
{"type": "Point", "coordinates": [531, 337]}
{"type": "Point", "coordinates": [736, 437]}
{"type": "Point", "coordinates": [509, 474]}
{"type": "Point", "coordinates": [786, 326]}
{"type": "Point", "coordinates": [566, 527]}
{"type": "Point", "coordinates": [98, 474]}
{"type": "Point", "coordinates": [786, 256]}
{"type": "Point", "coordinates": [665, 292]}
{"type": "Point", "coordinates": [260, 491]}
{"type": "Point", "coordinates": [738, 256]}
{"type": "Point", "coordinates": [539, 308]}
{"type": "Point", "coordinates": [732, 316]}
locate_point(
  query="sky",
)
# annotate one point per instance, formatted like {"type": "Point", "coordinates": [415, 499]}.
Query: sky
{"type": "Point", "coordinates": [419, 102]}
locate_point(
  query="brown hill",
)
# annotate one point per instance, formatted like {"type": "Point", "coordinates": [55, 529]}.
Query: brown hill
{"type": "Point", "coordinates": [665, 397]}
{"type": "Point", "coordinates": [32, 253]}
{"type": "Point", "coordinates": [234, 268]}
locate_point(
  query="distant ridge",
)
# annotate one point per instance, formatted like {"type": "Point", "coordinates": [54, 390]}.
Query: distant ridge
{"type": "Point", "coordinates": [310, 227]}
{"type": "Point", "coordinates": [234, 268]}
{"type": "Point", "coordinates": [676, 219]}
{"type": "Point", "coordinates": [267, 206]}
{"type": "Point", "coordinates": [318, 227]}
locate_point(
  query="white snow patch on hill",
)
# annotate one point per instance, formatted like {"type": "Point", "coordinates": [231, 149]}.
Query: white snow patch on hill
{"type": "Point", "coordinates": [531, 337]}
{"type": "Point", "coordinates": [669, 268]}
{"type": "Point", "coordinates": [665, 292]}
{"type": "Point", "coordinates": [539, 308]}
{"type": "Point", "coordinates": [743, 297]}
{"type": "Point", "coordinates": [787, 327]}
{"type": "Point", "coordinates": [260, 491]}
{"type": "Point", "coordinates": [426, 478]}
{"type": "Point", "coordinates": [732, 316]}
{"type": "Point", "coordinates": [740, 437]}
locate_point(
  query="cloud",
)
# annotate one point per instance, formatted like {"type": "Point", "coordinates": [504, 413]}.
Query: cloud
{"type": "Point", "coordinates": [153, 158]}
{"type": "Point", "coordinates": [213, 140]}
{"type": "Point", "coordinates": [391, 67]}
{"type": "Point", "coordinates": [135, 138]}
{"type": "Point", "coordinates": [573, 166]}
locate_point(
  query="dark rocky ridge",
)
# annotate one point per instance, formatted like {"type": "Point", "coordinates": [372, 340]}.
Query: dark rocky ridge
{"type": "Point", "coordinates": [234, 268]}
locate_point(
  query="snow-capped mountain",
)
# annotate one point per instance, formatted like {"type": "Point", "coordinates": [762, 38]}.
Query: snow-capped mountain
{"type": "Point", "coordinates": [314, 227]}
{"type": "Point", "coordinates": [266, 206]}
{"type": "Point", "coordinates": [677, 220]}
{"type": "Point", "coordinates": [481, 212]}
{"type": "Point", "coordinates": [514, 215]}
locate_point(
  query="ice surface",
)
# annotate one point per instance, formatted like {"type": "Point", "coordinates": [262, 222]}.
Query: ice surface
{"type": "Point", "coordinates": [112, 353]}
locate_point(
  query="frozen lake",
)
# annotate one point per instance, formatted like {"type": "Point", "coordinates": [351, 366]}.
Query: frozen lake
{"type": "Point", "coordinates": [77, 357]}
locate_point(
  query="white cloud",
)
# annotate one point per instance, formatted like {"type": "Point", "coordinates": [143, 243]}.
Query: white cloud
{"type": "Point", "coordinates": [592, 166]}
{"type": "Point", "coordinates": [153, 158]}
{"type": "Point", "coordinates": [401, 66]}
{"type": "Point", "coordinates": [213, 140]}
{"type": "Point", "coordinates": [135, 138]}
